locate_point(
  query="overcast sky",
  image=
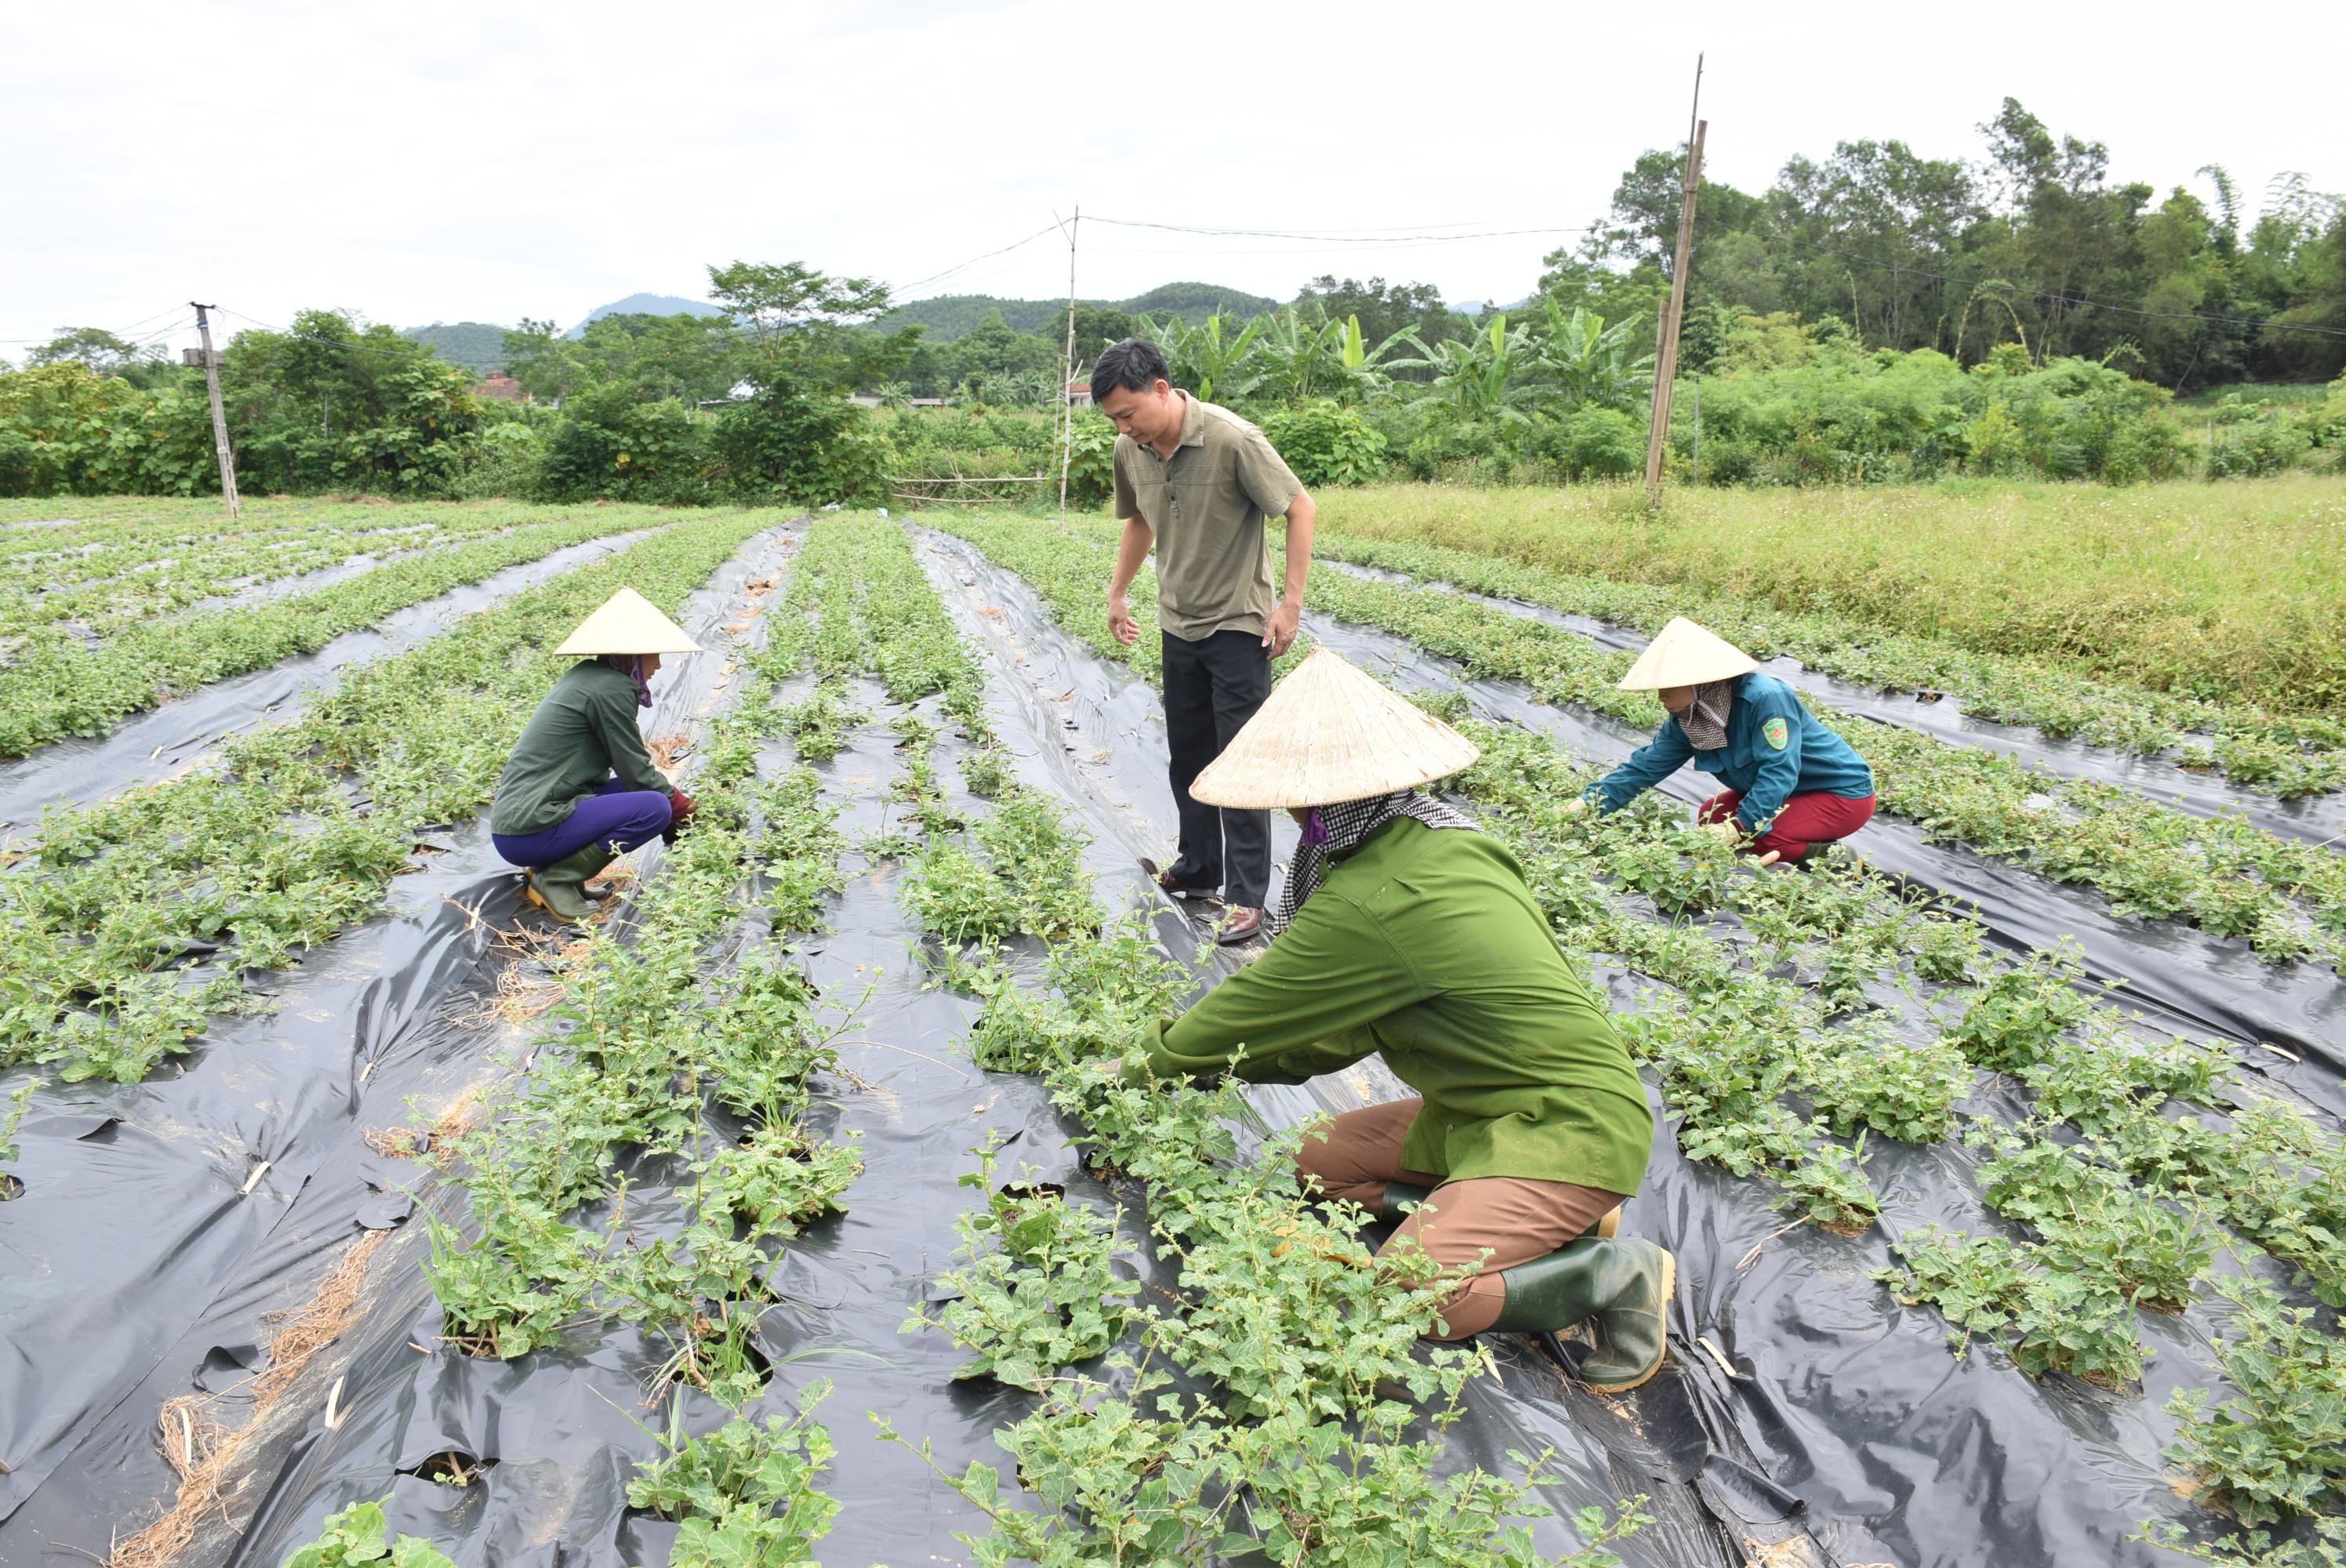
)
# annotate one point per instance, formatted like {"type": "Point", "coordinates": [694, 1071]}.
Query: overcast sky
{"type": "Point", "coordinates": [486, 160]}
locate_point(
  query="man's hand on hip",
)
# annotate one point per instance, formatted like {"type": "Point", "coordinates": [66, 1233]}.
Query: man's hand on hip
{"type": "Point", "coordinates": [1120, 623]}
{"type": "Point", "coordinates": [1280, 632]}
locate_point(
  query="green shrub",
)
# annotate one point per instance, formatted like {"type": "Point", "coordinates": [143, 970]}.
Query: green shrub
{"type": "Point", "coordinates": [1326, 443]}
{"type": "Point", "coordinates": [2246, 439]}
{"type": "Point", "coordinates": [809, 448]}
{"type": "Point", "coordinates": [1592, 443]}
{"type": "Point", "coordinates": [611, 446]}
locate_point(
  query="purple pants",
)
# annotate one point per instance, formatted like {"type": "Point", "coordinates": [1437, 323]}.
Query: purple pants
{"type": "Point", "coordinates": [624, 817]}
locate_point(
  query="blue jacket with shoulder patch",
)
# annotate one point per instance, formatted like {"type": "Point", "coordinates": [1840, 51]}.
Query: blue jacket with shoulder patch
{"type": "Point", "coordinates": [1775, 749]}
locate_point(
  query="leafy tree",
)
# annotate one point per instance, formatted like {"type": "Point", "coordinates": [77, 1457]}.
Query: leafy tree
{"type": "Point", "coordinates": [1386, 309]}
{"type": "Point", "coordinates": [548, 366]}
{"type": "Point", "coordinates": [990, 355]}
{"type": "Point", "coordinates": [103, 354]}
{"type": "Point", "coordinates": [691, 358]}
{"type": "Point", "coordinates": [334, 404]}
{"type": "Point", "coordinates": [801, 326]}
{"type": "Point", "coordinates": [1096, 326]}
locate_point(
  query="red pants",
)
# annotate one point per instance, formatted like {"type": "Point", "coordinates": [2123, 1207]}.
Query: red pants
{"type": "Point", "coordinates": [1806, 822]}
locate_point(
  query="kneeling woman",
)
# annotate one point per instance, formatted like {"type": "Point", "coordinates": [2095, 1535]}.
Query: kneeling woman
{"type": "Point", "coordinates": [1406, 932]}
{"type": "Point", "coordinates": [1791, 785]}
{"type": "Point", "coordinates": [581, 789]}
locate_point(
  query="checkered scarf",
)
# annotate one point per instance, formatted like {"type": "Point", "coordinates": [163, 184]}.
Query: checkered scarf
{"type": "Point", "coordinates": [1704, 719]}
{"type": "Point", "coordinates": [1329, 830]}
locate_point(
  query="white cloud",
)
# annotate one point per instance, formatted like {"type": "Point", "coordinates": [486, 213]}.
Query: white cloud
{"type": "Point", "coordinates": [486, 160]}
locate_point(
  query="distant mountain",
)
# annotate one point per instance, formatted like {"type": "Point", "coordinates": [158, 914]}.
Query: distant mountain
{"type": "Point", "coordinates": [949, 316]}
{"type": "Point", "coordinates": [477, 346]}
{"type": "Point", "coordinates": [1483, 307]}
{"type": "Point", "coordinates": [1196, 301]}
{"type": "Point", "coordinates": [646, 305]}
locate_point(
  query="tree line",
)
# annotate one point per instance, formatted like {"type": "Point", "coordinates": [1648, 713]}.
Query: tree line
{"type": "Point", "coordinates": [1875, 315]}
{"type": "Point", "coordinates": [2032, 243]}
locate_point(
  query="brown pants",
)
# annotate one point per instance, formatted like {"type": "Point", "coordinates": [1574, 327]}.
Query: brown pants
{"type": "Point", "coordinates": [1511, 1217]}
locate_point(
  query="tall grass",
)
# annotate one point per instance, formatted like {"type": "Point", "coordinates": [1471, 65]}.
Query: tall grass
{"type": "Point", "coordinates": [2235, 589]}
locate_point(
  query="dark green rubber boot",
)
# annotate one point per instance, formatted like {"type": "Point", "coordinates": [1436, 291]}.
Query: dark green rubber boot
{"type": "Point", "coordinates": [1624, 1285]}
{"type": "Point", "coordinates": [560, 889]}
{"type": "Point", "coordinates": [1398, 1193]}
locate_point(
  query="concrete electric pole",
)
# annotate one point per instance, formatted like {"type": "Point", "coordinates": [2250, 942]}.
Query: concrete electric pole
{"type": "Point", "coordinates": [219, 419]}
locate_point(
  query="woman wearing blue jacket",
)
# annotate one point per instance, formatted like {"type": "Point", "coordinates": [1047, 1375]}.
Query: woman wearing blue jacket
{"type": "Point", "coordinates": [1790, 785]}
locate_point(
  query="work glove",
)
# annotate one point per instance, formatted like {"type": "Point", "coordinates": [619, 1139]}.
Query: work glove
{"type": "Point", "coordinates": [681, 808]}
{"type": "Point", "coordinates": [1727, 830]}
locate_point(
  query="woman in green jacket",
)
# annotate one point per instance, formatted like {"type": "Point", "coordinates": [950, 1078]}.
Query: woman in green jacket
{"type": "Point", "coordinates": [579, 789]}
{"type": "Point", "coordinates": [1405, 931]}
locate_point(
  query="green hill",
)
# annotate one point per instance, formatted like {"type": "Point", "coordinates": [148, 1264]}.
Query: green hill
{"type": "Point", "coordinates": [949, 316]}
{"type": "Point", "coordinates": [478, 346]}
{"type": "Point", "coordinates": [646, 305]}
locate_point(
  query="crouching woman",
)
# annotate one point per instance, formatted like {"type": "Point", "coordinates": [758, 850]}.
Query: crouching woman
{"type": "Point", "coordinates": [1789, 785]}
{"type": "Point", "coordinates": [579, 789]}
{"type": "Point", "coordinates": [1404, 932]}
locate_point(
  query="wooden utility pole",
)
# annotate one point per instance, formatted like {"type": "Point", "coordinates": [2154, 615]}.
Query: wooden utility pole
{"type": "Point", "coordinates": [219, 419]}
{"type": "Point", "coordinates": [1666, 343]}
{"type": "Point", "coordinates": [1067, 373]}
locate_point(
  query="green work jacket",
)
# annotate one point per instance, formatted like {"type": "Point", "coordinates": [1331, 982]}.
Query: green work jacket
{"type": "Point", "coordinates": [583, 733]}
{"type": "Point", "coordinates": [1427, 945]}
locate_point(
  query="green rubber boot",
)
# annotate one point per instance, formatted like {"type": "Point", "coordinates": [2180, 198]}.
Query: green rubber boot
{"type": "Point", "coordinates": [560, 889]}
{"type": "Point", "coordinates": [1624, 1285]}
{"type": "Point", "coordinates": [1398, 1193]}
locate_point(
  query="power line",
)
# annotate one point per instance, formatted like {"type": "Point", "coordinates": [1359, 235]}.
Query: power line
{"type": "Point", "coordinates": [1344, 238]}
{"type": "Point", "coordinates": [1051, 228]}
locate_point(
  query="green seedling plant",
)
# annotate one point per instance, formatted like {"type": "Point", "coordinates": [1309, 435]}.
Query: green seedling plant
{"type": "Point", "coordinates": [1123, 1477]}
{"type": "Point", "coordinates": [743, 1495]}
{"type": "Point", "coordinates": [358, 1534]}
{"type": "Point", "coordinates": [2018, 1016]}
{"type": "Point", "coordinates": [2277, 1449]}
{"type": "Point", "coordinates": [1035, 1288]}
{"type": "Point", "coordinates": [11, 1117]}
{"type": "Point", "coordinates": [776, 1179]}
{"type": "Point", "coordinates": [2255, 1548]}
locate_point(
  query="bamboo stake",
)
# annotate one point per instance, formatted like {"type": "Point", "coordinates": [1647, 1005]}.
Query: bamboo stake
{"type": "Point", "coordinates": [1666, 350]}
{"type": "Point", "coordinates": [1067, 372]}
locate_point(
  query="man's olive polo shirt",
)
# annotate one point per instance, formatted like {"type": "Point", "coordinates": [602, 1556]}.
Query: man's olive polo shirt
{"type": "Point", "coordinates": [1205, 503]}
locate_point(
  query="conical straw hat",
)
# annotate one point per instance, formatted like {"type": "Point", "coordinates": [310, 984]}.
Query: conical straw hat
{"type": "Point", "coordinates": [1687, 654]}
{"type": "Point", "coordinates": [1330, 734]}
{"type": "Point", "coordinates": [628, 623]}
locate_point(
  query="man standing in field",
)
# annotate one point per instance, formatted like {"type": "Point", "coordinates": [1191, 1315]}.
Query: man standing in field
{"type": "Point", "coordinates": [1199, 482]}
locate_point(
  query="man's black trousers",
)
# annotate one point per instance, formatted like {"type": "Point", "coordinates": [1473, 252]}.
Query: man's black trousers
{"type": "Point", "coordinates": [1212, 688]}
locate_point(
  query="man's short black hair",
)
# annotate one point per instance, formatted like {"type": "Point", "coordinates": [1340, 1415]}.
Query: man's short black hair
{"type": "Point", "coordinates": [1134, 364]}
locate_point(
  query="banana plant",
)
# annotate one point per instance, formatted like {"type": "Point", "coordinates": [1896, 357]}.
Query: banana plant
{"type": "Point", "coordinates": [1580, 360]}
{"type": "Point", "coordinates": [1302, 358]}
{"type": "Point", "coordinates": [1482, 375]}
{"type": "Point", "coordinates": [1363, 368]}
{"type": "Point", "coordinates": [1215, 366]}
